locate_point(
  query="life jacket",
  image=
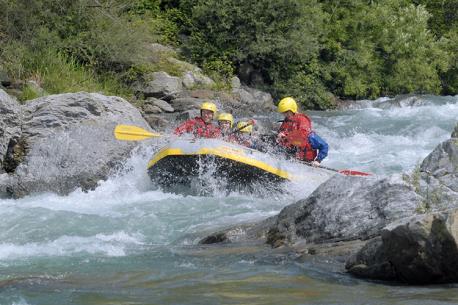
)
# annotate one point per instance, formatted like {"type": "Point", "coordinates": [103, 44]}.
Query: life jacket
{"type": "Point", "coordinates": [306, 153]}
{"type": "Point", "coordinates": [198, 128]}
{"type": "Point", "coordinates": [298, 121]}
{"type": "Point", "coordinates": [299, 139]}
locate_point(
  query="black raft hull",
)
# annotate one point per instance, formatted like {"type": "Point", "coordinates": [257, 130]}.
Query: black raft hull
{"type": "Point", "coordinates": [206, 166]}
{"type": "Point", "coordinates": [209, 166]}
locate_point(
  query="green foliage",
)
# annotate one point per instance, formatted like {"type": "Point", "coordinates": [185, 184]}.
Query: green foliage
{"type": "Point", "coordinates": [382, 48]}
{"type": "Point", "coordinates": [55, 72]}
{"type": "Point", "coordinates": [449, 78]}
{"type": "Point", "coordinates": [272, 36]}
{"type": "Point", "coordinates": [219, 69]}
{"type": "Point", "coordinates": [444, 15]}
{"type": "Point", "coordinates": [29, 93]}
{"type": "Point", "coordinates": [313, 50]}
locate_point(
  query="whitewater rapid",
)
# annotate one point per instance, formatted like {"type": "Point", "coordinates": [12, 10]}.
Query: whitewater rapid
{"type": "Point", "coordinates": [126, 227]}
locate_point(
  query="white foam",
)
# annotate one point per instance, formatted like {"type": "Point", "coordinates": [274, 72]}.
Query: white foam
{"type": "Point", "coordinates": [102, 244]}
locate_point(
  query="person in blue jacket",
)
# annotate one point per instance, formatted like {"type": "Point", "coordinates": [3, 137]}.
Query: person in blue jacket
{"type": "Point", "coordinates": [307, 146]}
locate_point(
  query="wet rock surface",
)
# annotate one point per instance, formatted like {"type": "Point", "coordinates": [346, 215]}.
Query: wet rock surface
{"type": "Point", "coordinates": [10, 127]}
{"type": "Point", "coordinates": [67, 142]}
{"type": "Point", "coordinates": [389, 228]}
{"type": "Point", "coordinates": [345, 208]}
{"type": "Point", "coordinates": [419, 250]}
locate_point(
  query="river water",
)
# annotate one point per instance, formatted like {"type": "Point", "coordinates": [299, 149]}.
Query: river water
{"type": "Point", "coordinates": [124, 243]}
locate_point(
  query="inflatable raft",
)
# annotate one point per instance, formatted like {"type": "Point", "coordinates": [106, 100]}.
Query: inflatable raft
{"type": "Point", "coordinates": [205, 166]}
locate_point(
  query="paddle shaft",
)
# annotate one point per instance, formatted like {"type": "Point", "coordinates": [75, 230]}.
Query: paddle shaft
{"type": "Point", "coordinates": [347, 172]}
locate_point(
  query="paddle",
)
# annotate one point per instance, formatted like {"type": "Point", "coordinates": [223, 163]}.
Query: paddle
{"type": "Point", "coordinates": [133, 133]}
{"type": "Point", "coordinates": [347, 172]}
{"type": "Point", "coordinates": [297, 139]}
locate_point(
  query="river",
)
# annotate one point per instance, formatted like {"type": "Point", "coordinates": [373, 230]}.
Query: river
{"type": "Point", "coordinates": [124, 243]}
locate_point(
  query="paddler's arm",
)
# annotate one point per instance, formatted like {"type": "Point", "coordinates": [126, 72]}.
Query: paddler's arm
{"type": "Point", "coordinates": [319, 144]}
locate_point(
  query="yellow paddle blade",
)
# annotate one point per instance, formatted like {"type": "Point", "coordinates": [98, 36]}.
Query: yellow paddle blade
{"type": "Point", "coordinates": [133, 133]}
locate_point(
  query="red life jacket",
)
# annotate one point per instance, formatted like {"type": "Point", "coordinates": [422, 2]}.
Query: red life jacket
{"type": "Point", "coordinates": [300, 141]}
{"type": "Point", "coordinates": [298, 121]}
{"type": "Point", "coordinates": [198, 128]}
{"type": "Point", "coordinates": [296, 130]}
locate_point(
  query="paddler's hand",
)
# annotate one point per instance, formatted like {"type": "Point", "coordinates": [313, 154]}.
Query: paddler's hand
{"type": "Point", "coordinates": [251, 122]}
{"type": "Point", "coordinates": [315, 163]}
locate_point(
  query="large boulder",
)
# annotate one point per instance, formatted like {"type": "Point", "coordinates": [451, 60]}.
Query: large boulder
{"type": "Point", "coordinates": [345, 208]}
{"type": "Point", "coordinates": [159, 85]}
{"type": "Point", "coordinates": [419, 250]}
{"type": "Point", "coordinates": [439, 176]}
{"type": "Point", "coordinates": [249, 101]}
{"type": "Point", "coordinates": [70, 143]}
{"type": "Point", "coordinates": [10, 127]}
{"type": "Point", "coordinates": [187, 103]}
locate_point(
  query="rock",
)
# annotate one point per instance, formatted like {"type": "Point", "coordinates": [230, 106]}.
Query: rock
{"type": "Point", "coordinates": [329, 213]}
{"type": "Point", "coordinates": [159, 85]}
{"type": "Point", "coordinates": [419, 250]}
{"type": "Point", "coordinates": [163, 105]}
{"type": "Point", "coordinates": [70, 142]}
{"type": "Point", "coordinates": [203, 94]}
{"type": "Point", "coordinates": [455, 132]}
{"type": "Point", "coordinates": [187, 103]}
{"type": "Point", "coordinates": [186, 115]}
{"type": "Point", "coordinates": [250, 101]}
{"type": "Point", "coordinates": [241, 233]}
{"type": "Point", "coordinates": [148, 109]}
{"type": "Point", "coordinates": [10, 125]}
{"type": "Point", "coordinates": [439, 176]}
{"type": "Point", "coordinates": [369, 262]}
{"type": "Point", "coordinates": [157, 122]}
{"type": "Point", "coordinates": [192, 79]}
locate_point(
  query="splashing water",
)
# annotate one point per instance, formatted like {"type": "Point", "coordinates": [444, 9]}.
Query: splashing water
{"type": "Point", "coordinates": [125, 243]}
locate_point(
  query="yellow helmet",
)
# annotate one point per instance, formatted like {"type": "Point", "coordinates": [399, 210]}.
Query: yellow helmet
{"type": "Point", "coordinates": [208, 106]}
{"type": "Point", "coordinates": [246, 129]}
{"type": "Point", "coordinates": [287, 103]}
{"type": "Point", "coordinates": [226, 117]}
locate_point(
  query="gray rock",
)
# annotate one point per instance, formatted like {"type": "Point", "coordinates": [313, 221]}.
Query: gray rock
{"type": "Point", "coordinates": [331, 211]}
{"type": "Point", "coordinates": [439, 176]}
{"type": "Point", "coordinates": [187, 103]}
{"type": "Point", "coordinates": [241, 233]}
{"type": "Point", "coordinates": [186, 115]}
{"type": "Point", "coordinates": [163, 105]}
{"type": "Point", "coordinates": [157, 122]}
{"type": "Point", "coordinates": [251, 101]}
{"type": "Point", "coordinates": [419, 250]}
{"type": "Point", "coordinates": [151, 109]}
{"type": "Point", "coordinates": [196, 78]}
{"type": "Point", "coordinates": [70, 142]}
{"type": "Point", "coordinates": [370, 262]}
{"type": "Point", "coordinates": [159, 85]}
{"type": "Point", "coordinates": [455, 132]}
{"type": "Point", "coordinates": [10, 124]}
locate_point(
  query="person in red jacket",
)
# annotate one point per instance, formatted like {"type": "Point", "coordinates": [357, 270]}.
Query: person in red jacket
{"type": "Point", "coordinates": [201, 127]}
{"type": "Point", "coordinates": [296, 135]}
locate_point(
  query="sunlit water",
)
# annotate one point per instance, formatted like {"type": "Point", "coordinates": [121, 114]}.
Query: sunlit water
{"type": "Point", "coordinates": [127, 244]}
